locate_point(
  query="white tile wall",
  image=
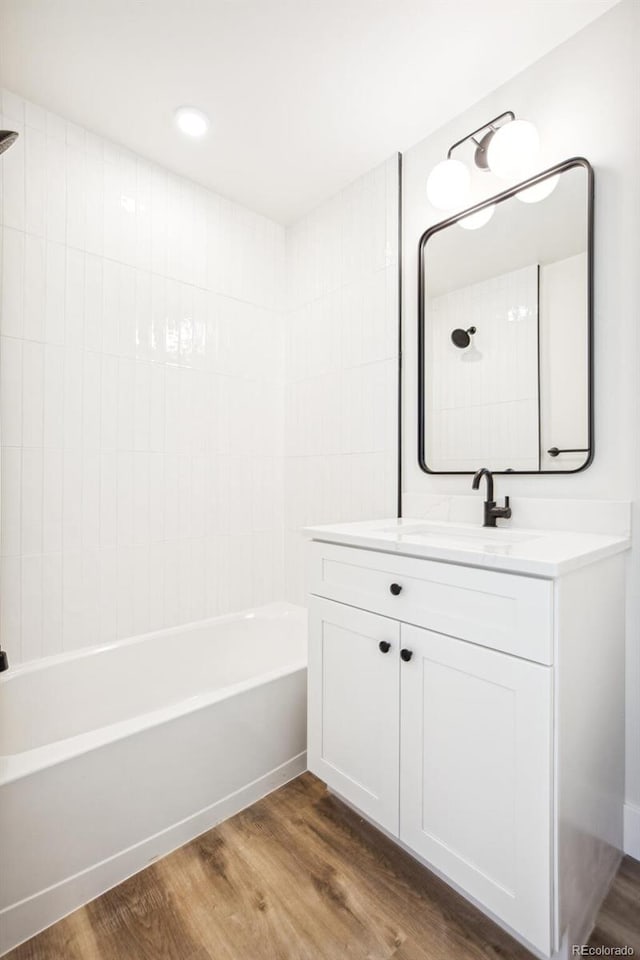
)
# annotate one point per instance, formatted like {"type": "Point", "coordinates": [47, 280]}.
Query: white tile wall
{"type": "Point", "coordinates": [486, 410]}
{"type": "Point", "coordinates": [142, 398]}
{"type": "Point", "coordinates": [150, 438]}
{"type": "Point", "coordinates": [341, 363]}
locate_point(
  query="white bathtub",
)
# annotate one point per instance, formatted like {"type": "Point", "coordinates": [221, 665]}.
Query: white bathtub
{"type": "Point", "coordinates": [112, 757]}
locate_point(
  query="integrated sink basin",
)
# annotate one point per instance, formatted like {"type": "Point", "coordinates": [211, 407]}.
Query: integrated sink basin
{"type": "Point", "coordinates": [457, 532]}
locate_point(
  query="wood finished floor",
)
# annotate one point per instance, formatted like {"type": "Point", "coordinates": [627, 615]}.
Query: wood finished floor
{"type": "Point", "coordinates": [298, 876]}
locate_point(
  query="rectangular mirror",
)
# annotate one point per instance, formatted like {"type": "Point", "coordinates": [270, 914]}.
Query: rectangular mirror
{"type": "Point", "coordinates": [505, 331]}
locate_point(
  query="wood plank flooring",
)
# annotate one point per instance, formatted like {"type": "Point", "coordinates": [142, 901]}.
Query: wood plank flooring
{"type": "Point", "coordinates": [298, 876]}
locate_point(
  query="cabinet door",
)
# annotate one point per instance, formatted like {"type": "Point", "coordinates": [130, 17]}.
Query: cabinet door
{"type": "Point", "coordinates": [354, 709]}
{"type": "Point", "coordinates": [475, 774]}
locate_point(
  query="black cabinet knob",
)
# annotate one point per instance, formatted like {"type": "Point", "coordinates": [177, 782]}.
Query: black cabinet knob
{"type": "Point", "coordinates": [395, 589]}
{"type": "Point", "coordinates": [384, 646]}
{"type": "Point", "coordinates": [406, 655]}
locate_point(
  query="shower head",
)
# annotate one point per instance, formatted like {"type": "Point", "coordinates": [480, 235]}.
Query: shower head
{"type": "Point", "coordinates": [7, 137]}
{"type": "Point", "coordinates": [462, 338]}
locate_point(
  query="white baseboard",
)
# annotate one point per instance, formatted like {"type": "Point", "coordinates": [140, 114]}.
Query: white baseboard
{"type": "Point", "coordinates": [632, 830]}
{"type": "Point", "coordinates": [23, 920]}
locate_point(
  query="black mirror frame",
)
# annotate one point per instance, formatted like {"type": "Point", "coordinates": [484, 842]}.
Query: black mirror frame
{"type": "Point", "coordinates": [443, 224]}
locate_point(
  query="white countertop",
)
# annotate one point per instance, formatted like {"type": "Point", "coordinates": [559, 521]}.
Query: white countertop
{"type": "Point", "coordinates": [542, 553]}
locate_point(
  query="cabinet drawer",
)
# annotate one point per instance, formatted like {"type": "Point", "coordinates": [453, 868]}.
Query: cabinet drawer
{"type": "Point", "coordinates": [498, 610]}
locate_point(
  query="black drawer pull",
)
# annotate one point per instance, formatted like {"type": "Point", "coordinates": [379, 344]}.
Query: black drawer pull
{"type": "Point", "coordinates": [384, 646]}
{"type": "Point", "coordinates": [395, 589]}
{"type": "Point", "coordinates": [406, 655]}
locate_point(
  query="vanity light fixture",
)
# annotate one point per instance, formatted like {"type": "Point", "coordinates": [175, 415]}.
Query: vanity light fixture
{"type": "Point", "coordinates": [448, 184]}
{"type": "Point", "coordinates": [513, 150]}
{"type": "Point", "coordinates": [505, 146]}
{"type": "Point", "coordinates": [191, 121]}
{"type": "Point", "coordinates": [473, 221]}
{"type": "Point", "coordinates": [539, 191]}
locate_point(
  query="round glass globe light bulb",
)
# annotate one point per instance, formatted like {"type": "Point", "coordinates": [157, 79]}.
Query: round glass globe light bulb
{"type": "Point", "coordinates": [514, 149]}
{"type": "Point", "coordinates": [476, 220]}
{"type": "Point", "coordinates": [539, 191]}
{"type": "Point", "coordinates": [448, 184]}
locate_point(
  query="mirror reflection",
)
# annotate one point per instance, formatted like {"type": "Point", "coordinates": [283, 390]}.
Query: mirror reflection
{"type": "Point", "coordinates": [505, 332]}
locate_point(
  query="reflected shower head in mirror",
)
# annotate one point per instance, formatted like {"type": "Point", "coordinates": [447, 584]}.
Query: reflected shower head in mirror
{"type": "Point", "coordinates": [7, 138]}
{"type": "Point", "coordinates": [462, 338]}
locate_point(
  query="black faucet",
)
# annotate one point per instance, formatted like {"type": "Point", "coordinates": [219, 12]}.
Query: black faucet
{"type": "Point", "coordinates": [491, 511]}
{"type": "Point", "coordinates": [4, 661]}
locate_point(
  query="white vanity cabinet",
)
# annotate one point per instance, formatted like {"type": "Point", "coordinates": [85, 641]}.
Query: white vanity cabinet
{"type": "Point", "coordinates": [354, 698]}
{"type": "Point", "coordinates": [438, 693]}
{"type": "Point", "coordinates": [476, 773]}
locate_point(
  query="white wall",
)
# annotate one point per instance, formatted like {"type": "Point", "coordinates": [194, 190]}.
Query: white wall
{"type": "Point", "coordinates": [142, 394]}
{"type": "Point", "coordinates": [341, 363]}
{"type": "Point", "coordinates": [583, 97]}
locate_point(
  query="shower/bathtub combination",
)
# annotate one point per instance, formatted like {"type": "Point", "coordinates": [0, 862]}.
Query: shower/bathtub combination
{"type": "Point", "coordinates": [113, 756]}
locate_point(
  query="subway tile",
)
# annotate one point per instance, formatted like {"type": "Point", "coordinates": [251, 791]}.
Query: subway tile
{"type": "Point", "coordinates": [74, 298]}
{"type": "Point", "coordinates": [11, 390]}
{"type": "Point", "coordinates": [11, 606]}
{"type": "Point", "coordinates": [53, 412]}
{"type": "Point", "coordinates": [34, 287]}
{"type": "Point", "coordinates": [56, 189]}
{"type": "Point", "coordinates": [52, 604]}
{"type": "Point", "coordinates": [108, 499]}
{"type": "Point", "coordinates": [94, 203]}
{"type": "Point", "coordinates": [141, 589]}
{"type": "Point", "coordinates": [91, 399]}
{"type": "Point", "coordinates": [156, 586]}
{"type": "Point", "coordinates": [125, 498]}
{"type": "Point", "coordinates": [73, 601]}
{"type": "Point", "coordinates": [124, 592]}
{"type": "Point", "coordinates": [35, 147]}
{"type": "Point", "coordinates": [32, 394]}
{"type": "Point", "coordinates": [93, 302]}
{"type": "Point", "coordinates": [55, 284]}
{"type": "Point", "coordinates": [13, 255]}
{"type": "Point", "coordinates": [107, 594]}
{"type": "Point", "coordinates": [125, 410]}
{"type": "Point", "coordinates": [109, 402]}
{"type": "Point", "coordinates": [52, 484]}
{"type": "Point", "coordinates": [32, 608]}
{"type": "Point", "coordinates": [72, 500]}
{"type": "Point", "coordinates": [13, 180]}
{"type": "Point", "coordinates": [140, 497]}
{"type": "Point", "coordinates": [11, 501]}
{"type": "Point", "coordinates": [72, 398]}
{"type": "Point", "coordinates": [76, 196]}
{"type": "Point", "coordinates": [91, 500]}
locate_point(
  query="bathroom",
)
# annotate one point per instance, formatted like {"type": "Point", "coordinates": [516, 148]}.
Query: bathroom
{"type": "Point", "coordinates": [319, 479]}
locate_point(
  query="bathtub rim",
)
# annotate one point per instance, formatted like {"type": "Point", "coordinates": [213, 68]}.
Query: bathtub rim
{"type": "Point", "coordinates": [16, 766]}
{"type": "Point", "coordinates": [268, 611]}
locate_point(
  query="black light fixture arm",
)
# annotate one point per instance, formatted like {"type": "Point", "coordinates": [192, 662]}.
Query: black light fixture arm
{"type": "Point", "coordinates": [489, 127]}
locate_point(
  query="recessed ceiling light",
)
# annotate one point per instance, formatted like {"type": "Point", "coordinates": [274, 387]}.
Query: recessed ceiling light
{"type": "Point", "coordinates": [191, 121]}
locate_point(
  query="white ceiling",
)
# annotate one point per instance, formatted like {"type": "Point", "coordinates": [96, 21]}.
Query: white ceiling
{"type": "Point", "coordinates": [303, 95]}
